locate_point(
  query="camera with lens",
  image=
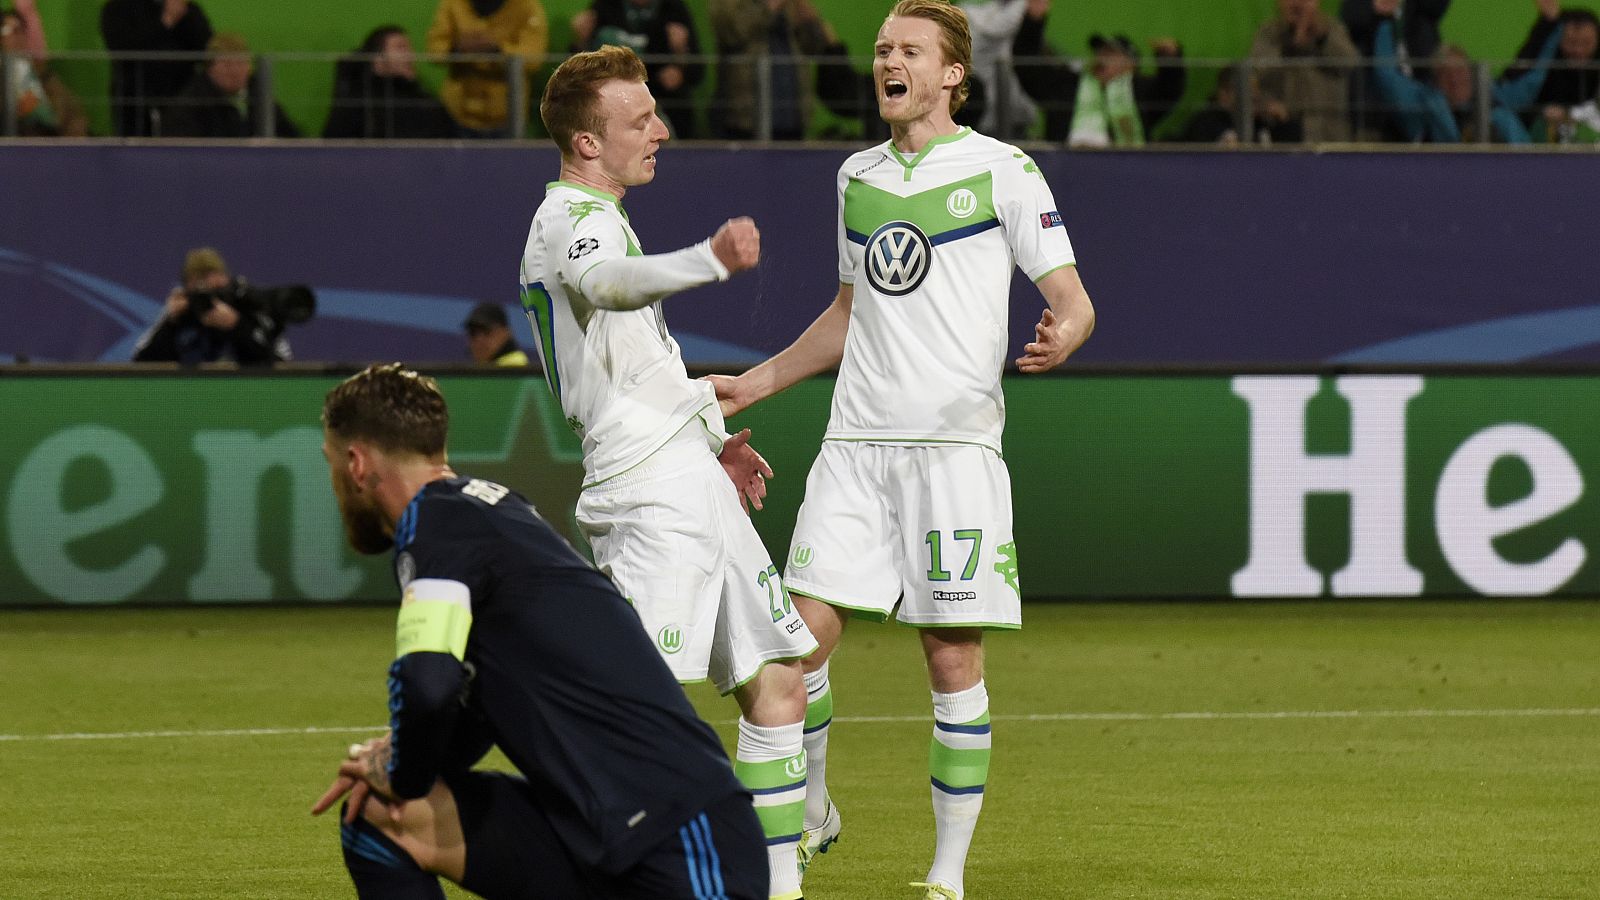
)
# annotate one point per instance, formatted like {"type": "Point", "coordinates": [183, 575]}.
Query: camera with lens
{"type": "Point", "coordinates": [287, 304]}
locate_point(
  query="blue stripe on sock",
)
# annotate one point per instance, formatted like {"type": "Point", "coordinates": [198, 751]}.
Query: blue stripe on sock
{"type": "Point", "coordinates": [961, 729]}
{"type": "Point", "coordinates": [779, 789]}
{"type": "Point", "coordinates": [816, 728]}
{"type": "Point", "coordinates": [714, 860]}
{"type": "Point", "coordinates": [783, 839]}
{"type": "Point", "coordinates": [975, 789]}
{"type": "Point", "coordinates": [691, 859]}
{"type": "Point", "coordinates": [368, 847]}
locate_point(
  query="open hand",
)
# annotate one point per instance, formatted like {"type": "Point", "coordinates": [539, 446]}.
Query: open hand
{"type": "Point", "coordinates": [1049, 348]}
{"type": "Point", "coordinates": [746, 469]}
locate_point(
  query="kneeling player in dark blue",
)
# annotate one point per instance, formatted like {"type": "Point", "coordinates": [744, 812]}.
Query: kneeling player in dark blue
{"type": "Point", "coordinates": [508, 638]}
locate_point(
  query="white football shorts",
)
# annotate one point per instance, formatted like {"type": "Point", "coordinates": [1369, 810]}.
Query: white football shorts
{"type": "Point", "coordinates": [928, 527]}
{"type": "Point", "coordinates": [672, 536]}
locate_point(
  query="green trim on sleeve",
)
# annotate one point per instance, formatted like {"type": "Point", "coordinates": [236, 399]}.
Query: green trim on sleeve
{"type": "Point", "coordinates": [1070, 265]}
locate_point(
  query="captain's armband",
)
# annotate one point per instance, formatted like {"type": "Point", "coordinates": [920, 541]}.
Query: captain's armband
{"type": "Point", "coordinates": [435, 616]}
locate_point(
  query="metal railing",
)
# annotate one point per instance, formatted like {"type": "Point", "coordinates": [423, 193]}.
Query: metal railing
{"type": "Point", "coordinates": [1257, 92]}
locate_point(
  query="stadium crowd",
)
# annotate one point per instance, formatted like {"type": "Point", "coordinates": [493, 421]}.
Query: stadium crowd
{"type": "Point", "coordinates": [1377, 71]}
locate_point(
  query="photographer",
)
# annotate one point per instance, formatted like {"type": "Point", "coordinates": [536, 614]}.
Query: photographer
{"type": "Point", "coordinates": [215, 317]}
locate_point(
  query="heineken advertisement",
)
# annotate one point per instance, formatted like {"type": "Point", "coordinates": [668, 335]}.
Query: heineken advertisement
{"type": "Point", "coordinates": [137, 488]}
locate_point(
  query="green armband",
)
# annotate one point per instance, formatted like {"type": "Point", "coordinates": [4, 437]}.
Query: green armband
{"type": "Point", "coordinates": [435, 616]}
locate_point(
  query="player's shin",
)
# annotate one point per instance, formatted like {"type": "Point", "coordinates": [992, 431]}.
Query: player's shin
{"type": "Point", "coordinates": [771, 763]}
{"type": "Point", "coordinates": [958, 766]}
{"type": "Point", "coordinates": [382, 869]}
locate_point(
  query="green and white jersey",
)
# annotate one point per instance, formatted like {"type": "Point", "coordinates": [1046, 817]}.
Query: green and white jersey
{"type": "Point", "coordinates": [618, 374]}
{"type": "Point", "coordinates": [929, 244]}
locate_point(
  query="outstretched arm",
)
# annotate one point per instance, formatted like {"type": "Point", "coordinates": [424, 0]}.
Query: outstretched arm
{"type": "Point", "coordinates": [1064, 326]}
{"type": "Point", "coordinates": [818, 349]}
{"type": "Point", "coordinates": [634, 282]}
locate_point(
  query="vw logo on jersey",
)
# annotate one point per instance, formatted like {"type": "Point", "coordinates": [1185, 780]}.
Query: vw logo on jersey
{"type": "Point", "coordinates": [899, 256]}
{"type": "Point", "coordinates": [961, 203]}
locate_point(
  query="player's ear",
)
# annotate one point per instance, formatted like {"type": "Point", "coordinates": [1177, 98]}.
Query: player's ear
{"type": "Point", "coordinates": [358, 462]}
{"type": "Point", "coordinates": [953, 75]}
{"type": "Point", "coordinates": [586, 144]}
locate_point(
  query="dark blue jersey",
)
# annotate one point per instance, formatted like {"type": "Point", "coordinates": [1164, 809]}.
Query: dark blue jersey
{"type": "Point", "coordinates": [557, 672]}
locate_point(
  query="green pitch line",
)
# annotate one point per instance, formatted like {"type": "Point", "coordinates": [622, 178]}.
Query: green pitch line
{"type": "Point", "coordinates": [1341, 750]}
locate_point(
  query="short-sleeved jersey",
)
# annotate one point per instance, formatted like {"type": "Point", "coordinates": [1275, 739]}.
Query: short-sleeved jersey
{"type": "Point", "coordinates": [618, 374]}
{"type": "Point", "coordinates": [562, 676]}
{"type": "Point", "coordinates": [929, 244]}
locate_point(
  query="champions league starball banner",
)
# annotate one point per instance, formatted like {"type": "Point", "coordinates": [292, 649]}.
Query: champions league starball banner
{"type": "Point", "coordinates": [1230, 258]}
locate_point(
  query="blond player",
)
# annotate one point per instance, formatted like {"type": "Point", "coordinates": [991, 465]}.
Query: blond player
{"type": "Point", "coordinates": [658, 510]}
{"type": "Point", "coordinates": [909, 501]}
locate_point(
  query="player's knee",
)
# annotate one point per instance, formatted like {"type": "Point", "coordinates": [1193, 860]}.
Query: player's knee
{"type": "Point", "coordinates": [776, 696]}
{"type": "Point", "coordinates": [367, 845]}
{"type": "Point", "coordinates": [826, 623]}
{"type": "Point", "coordinates": [408, 834]}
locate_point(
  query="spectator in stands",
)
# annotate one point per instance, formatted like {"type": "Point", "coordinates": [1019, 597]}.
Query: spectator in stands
{"type": "Point", "coordinates": [1314, 93]}
{"type": "Point", "coordinates": [1577, 81]}
{"type": "Point", "coordinates": [1416, 26]}
{"type": "Point", "coordinates": [204, 320]}
{"type": "Point", "coordinates": [1416, 23]}
{"type": "Point", "coordinates": [1218, 122]}
{"type": "Point", "coordinates": [746, 31]}
{"type": "Point", "coordinates": [376, 94]}
{"type": "Point", "coordinates": [1058, 86]}
{"type": "Point", "coordinates": [44, 105]}
{"type": "Point", "coordinates": [1442, 110]}
{"type": "Point", "coordinates": [476, 92]}
{"type": "Point", "coordinates": [651, 29]}
{"type": "Point", "coordinates": [489, 337]}
{"type": "Point", "coordinates": [994, 26]}
{"type": "Point", "coordinates": [219, 101]}
{"type": "Point", "coordinates": [140, 89]}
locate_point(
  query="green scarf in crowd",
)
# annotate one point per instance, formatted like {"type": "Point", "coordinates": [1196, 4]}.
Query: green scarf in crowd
{"type": "Point", "coordinates": [1106, 116]}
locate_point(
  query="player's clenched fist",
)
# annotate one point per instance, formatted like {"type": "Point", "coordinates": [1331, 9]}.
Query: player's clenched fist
{"type": "Point", "coordinates": [737, 244]}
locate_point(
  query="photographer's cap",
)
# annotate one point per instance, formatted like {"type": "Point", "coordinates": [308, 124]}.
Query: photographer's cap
{"type": "Point", "coordinates": [484, 316]}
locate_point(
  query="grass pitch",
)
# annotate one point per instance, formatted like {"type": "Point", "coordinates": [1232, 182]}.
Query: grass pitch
{"type": "Point", "coordinates": [1328, 750]}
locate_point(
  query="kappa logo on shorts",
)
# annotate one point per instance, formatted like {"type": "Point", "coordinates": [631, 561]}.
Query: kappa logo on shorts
{"type": "Point", "coordinates": [670, 638]}
{"type": "Point", "coordinates": [899, 256]}
{"type": "Point", "coordinates": [961, 203]}
{"type": "Point", "coordinates": [1007, 566]}
{"type": "Point", "coordinates": [802, 556]}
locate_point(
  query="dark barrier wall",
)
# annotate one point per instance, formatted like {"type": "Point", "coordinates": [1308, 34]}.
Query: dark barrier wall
{"type": "Point", "coordinates": [148, 488]}
{"type": "Point", "coordinates": [1190, 257]}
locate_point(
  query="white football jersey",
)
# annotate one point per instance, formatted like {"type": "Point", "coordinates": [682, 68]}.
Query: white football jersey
{"type": "Point", "coordinates": [618, 374]}
{"type": "Point", "coordinates": [929, 244]}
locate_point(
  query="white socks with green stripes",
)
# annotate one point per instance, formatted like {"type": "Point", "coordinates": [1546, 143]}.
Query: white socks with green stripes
{"type": "Point", "coordinates": [772, 765]}
{"type": "Point", "coordinates": [819, 715]}
{"type": "Point", "coordinates": [958, 766]}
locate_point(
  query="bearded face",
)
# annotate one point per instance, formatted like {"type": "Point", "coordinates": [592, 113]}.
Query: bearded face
{"type": "Point", "coordinates": [365, 526]}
